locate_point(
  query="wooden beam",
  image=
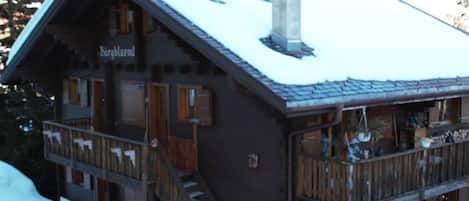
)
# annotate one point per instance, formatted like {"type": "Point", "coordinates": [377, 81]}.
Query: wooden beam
{"type": "Point", "coordinates": [97, 172]}
{"type": "Point", "coordinates": [109, 104]}
{"type": "Point", "coordinates": [433, 191]}
{"type": "Point", "coordinates": [158, 11]}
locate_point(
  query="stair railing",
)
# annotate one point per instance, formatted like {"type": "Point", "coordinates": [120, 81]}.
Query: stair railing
{"type": "Point", "coordinates": [168, 184]}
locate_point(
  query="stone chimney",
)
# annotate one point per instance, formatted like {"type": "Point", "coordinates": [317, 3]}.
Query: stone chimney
{"type": "Point", "coordinates": [286, 24]}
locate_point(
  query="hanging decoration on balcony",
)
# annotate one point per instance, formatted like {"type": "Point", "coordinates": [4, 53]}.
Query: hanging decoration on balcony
{"type": "Point", "coordinates": [118, 152]}
{"type": "Point", "coordinates": [84, 143]}
{"type": "Point", "coordinates": [131, 155]}
{"type": "Point", "coordinates": [355, 152]}
{"type": "Point", "coordinates": [53, 135]}
{"type": "Point", "coordinates": [365, 134]}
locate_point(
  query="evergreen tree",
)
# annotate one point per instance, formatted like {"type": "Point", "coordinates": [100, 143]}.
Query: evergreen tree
{"type": "Point", "coordinates": [22, 109]}
{"type": "Point", "coordinates": [14, 14]}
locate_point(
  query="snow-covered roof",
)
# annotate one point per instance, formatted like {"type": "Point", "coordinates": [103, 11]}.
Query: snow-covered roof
{"type": "Point", "coordinates": [358, 39]}
{"type": "Point", "coordinates": [14, 186]}
{"type": "Point", "coordinates": [365, 49]}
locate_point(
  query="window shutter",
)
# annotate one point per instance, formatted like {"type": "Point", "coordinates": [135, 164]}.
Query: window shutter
{"type": "Point", "coordinates": [182, 103]}
{"type": "Point", "coordinates": [74, 96]}
{"type": "Point", "coordinates": [123, 26]}
{"type": "Point", "coordinates": [133, 108]}
{"type": "Point", "coordinates": [147, 23]}
{"type": "Point", "coordinates": [204, 107]}
{"type": "Point", "coordinates": [83, 88]}
{"type": "Point", "coordinates": [113, 20]}
{"type": "Point", "coordinates": [65, 97]}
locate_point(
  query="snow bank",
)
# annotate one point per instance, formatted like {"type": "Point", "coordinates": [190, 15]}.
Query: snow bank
{"type": "Point", "coordinates": [14, 186]}
{"type": "Point", "coordinates": [360, 39]}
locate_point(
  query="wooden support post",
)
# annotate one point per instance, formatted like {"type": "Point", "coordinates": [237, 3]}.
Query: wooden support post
{"type": "Point", "coordinates": [422, 175]}
{"type": "Point", "coordinates": [368, 182]}
{"type": "Point", "coordinates": [58, 181]}
{"type": "Point", "coordinates": [109, 103]}
{"type": "Point", "coordinates": [146, 141]}
{"type": "Point", "coordinates": [104, 153]}
{"type": "Point", "coordinates": [72, 161]}
{"type": "Point", "coordinates": [329, 135]}
{"type": "Point", "coordinates": [145, 158]}
{"type": "Point", "coordinates": [350, 183]}
{"type": "Point", "coordinates": [195, 137]}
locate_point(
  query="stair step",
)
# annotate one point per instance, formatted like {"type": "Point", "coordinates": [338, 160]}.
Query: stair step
{"type": "Point", "coordinates": [182, 173]}
{"type": "Point", "coordinates": [190, 184]}
{"type": "Point", "coordinates": [195, 194]}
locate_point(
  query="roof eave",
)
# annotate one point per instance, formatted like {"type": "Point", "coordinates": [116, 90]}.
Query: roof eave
{"type": "Point", "coordinates": [411, 95]}
{"type": "Point", "coordinates": [28, 43]}
{"type": "Point", "coordinates": [162, 12]}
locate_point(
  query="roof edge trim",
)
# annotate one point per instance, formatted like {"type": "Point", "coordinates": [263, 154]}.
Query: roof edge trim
{"type": "Point", "coordinates": [25, 40]}
{"type": "Point", "coordinates": [381, 97]}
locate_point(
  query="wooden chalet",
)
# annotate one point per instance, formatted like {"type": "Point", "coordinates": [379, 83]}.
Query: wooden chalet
{"type": "Point", "coordinates": [150, 107]}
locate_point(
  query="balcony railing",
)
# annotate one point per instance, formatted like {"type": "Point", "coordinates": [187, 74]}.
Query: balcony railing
{"type": "Point", "coordinates": [408, 173]}
{"type": "Point", "coordinates": [124, 161]}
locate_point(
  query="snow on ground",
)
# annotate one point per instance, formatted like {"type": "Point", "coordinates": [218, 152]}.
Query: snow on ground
{"type": "Point", "coordinates": [14, 186]}
{"type": "Point", "coordinates": [360, 39]}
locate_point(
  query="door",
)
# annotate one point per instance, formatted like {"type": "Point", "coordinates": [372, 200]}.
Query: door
{"type": "Point", "coordinates": [98, 105]}
{"type": "Point", "coordinates": [101, 190]}
{"type": "Point", "coordinates": [159, 113]}
{"type": "Point", "coordinates": [183, 153]}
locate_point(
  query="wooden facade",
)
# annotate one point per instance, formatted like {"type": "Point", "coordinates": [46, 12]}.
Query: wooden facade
{"type": "Point", "coordinates": [416, 174]}
{"type": "Point", "coordinates": [163, 121]}
{"type": "Point", "coordinates": [129, 163]}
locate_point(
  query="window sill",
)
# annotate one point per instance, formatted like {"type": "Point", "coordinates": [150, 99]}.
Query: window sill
{"type": "Point", "coordinates": [189, 121]}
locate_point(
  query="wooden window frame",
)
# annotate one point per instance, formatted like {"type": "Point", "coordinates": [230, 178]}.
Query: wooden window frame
{"type": "Point", "coordinates": [77, 94]}
{"type": "Point", "coordinates": [183, 115]}
{"type": "Point", "coordinates": [122, 105]}
{"type": "Point", "coordinates": [74, 91]}
{"type": "Point", "coordinates": [122, 18]}
{"type": "Point", "coordinates": [202, 112]}
{"type": "Point", "coordinates": [148, 23]}
{"type": "Point", "coordinates": [77, 177]}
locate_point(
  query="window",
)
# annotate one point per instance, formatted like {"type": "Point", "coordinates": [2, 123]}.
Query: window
{"type": "Point", "coordinates": [77, 177]}
{"type": "Point", "coordinates": [195, 104]}
{"type": "Point", "coordinates": [186, 100]}
{"type": "Point", "coordinates": [75, 91]}
{"type": "Point", "coordinates": [133, 103]}
{"type": "Point", "coordinates": [148, 24]}
{"type": "Point", "coordinates": [73, 94]}
{"type": "Point", "coordinates": [121, 18]}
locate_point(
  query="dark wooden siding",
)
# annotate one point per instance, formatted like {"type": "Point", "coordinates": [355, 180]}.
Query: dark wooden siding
{"type": "Point", "coordinates": [242, 123]}
{"type": "Point", "coordinates": [78, 193]}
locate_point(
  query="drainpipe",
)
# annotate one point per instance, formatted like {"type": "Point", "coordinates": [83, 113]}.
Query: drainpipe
{"type": "Point", "coordinates": [293, 134]}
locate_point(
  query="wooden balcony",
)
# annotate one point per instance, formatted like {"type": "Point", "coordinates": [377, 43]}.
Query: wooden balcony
{"type": "Point", "coordinates": [412, 175]}
{"type": "Point", "coordinates": [132, 164]}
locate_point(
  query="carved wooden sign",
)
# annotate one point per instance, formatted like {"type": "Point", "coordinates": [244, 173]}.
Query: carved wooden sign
{"type": "Point", "coordinates": [115, 52]}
